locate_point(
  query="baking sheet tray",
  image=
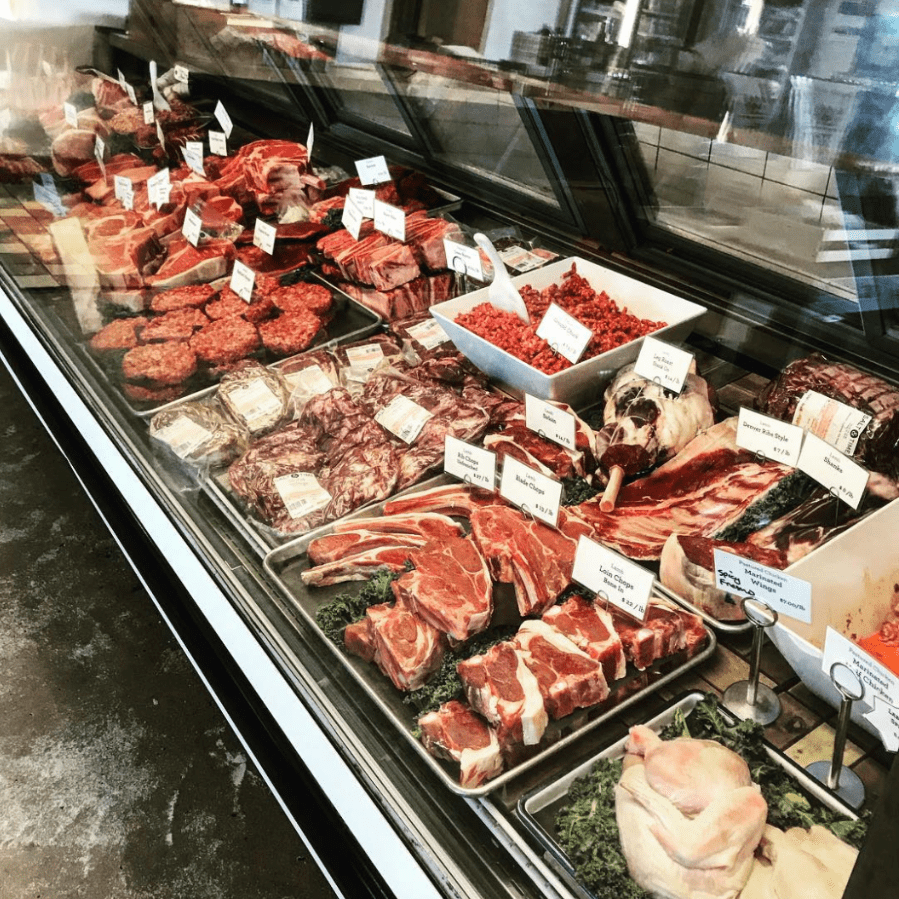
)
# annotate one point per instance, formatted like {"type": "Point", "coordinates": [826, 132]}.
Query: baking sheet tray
{"type": "Point", "coordinates": [726, 627]}
{"type": "Point", "coordinates": [285, 566]}
{"type": "Point", "coordinates": [537, 809]}
{"type": "Point", "coordinates": [584, 382]}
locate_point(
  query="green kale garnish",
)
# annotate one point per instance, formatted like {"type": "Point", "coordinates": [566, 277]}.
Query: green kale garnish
{"type": "Point", "coordinates": [577, 490]}
{"type": "Point", "coordinates": [336, 614]}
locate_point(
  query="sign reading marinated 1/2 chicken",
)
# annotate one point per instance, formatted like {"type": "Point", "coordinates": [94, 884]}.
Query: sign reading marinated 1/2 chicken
{"type": "Point", "coordinates": [785, 594]}
{"type": "Point", "coordinates": [665, 364]}
{"type": "Point", "coordinates": [769, 437]}
{"type": "Point", "coordinates": [472, 464]}
{"type": "Point", "coordinates": [532, 491]}
{"type": "Point", "coordinates": [610, 576]}
{"type": "Point", "coordinates": [833, 470]}
{"type": "Point", "coordinates": [403, 417]}
{"type": "Point", "coordinates": [548, 421]}
{"type": "Point", "coordinates": [564, 333]}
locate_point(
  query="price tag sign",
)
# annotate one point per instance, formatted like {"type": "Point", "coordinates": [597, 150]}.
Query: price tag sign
{"type": "Point", "coordinates": [352, 217]}
{"type": "Point", "coordinates": [548, 421]}
{"type": "Point", "coordinates": [310, 139]}
{"type": "Point", "coordinates": [403, 417]}
{"type": "Point", "coordinates": [665, 364]}
{"type": "Point", "coordinates": [223, 118]}
{"type": "Point", "coordinates": [264, 236]}
{"type": "Point", "coordinates": [129, 90]}
{"type": "Point", "coordinates": [881, 685]}
{"type": "Point", "coordinates": [365, 200]}
{"type": "Point", "coordinates": [391, 220]}
{"type": "Point", "coordinates": [785, 594]}
{"type": "Point", "coordinates": [840, 425]}
{"type": "Point", "coordinates": [218, 143]}
{"type": "Point", "coordinates": [312, 380]}
{"type": "Point", "coordinates": [833, 470]}
{"type": "Point", "coordinates": [373, 170]}
{"type": "Point", "coordinates": [365, 358]}
{"type": "Point", "coordinates": [301, 493]}
{"type": "Point", "coordinates": [463, 259]}
{"type": "Point", "coordinates": [149, 112]}
{"type": "Point", "coordinates": [160, 134]}
{"type": "Point", "coordinates": [158, 188]}
{"type": "Point", "coordinates": [182, 74]}
{"type": "Point", "coordinates": [769, 437]}
{"type": "Point", "coordinates": [532, 491]}
{"type": "Point", "coordinates": [99, 151]}
{"type": "Point", "coordinates": [472, 464]}
{"type": "Point", "coordinates": [616, 579]}
{"type": "Point", "coordinates": [192, 227]}
{"type": "Point", "coordinates": [70, 113]}
{"type": "Point", "coordinates": [243, 278]}
{"type": "Point", "coordinates": [124, 191]}
{"type": "Point", "coordinates": [564, 333]}
{"type": "Point", "coordinates": [193, 156]}
{"type": "Point", "coordinates": [429, 333]}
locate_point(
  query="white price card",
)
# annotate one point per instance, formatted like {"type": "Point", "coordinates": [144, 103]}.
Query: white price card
{"type": "Point", "coordinates": [301, 493]}
{"type": "Point", "coordinates": [242, 280]}
{"type": "Point", "coordinates": [833, 470]}
{"type": "Point", "coordinates": [785, 594]}
{"type": "Point", "coordinates": [429, 333]}
{"type": "Point", "coordinates": [840, 425]}
{"type": "Point", "coordinates": [769, 437]}
{"type": "Point", "coordinates": [255, 402]}
{"type": "Point", "coordinates": [192, 227]}
{"type": "Point", "coordinates": [183, 435]}
{"type": "Point", "coordinates": [403, 417]}
{"type": "Point", "coordinates": [365, 200]}
{"type": "Point", "coordinates": [310, 140]}
{"type": "Point", "coordinates": [365, 358]}
{"type": "Point", "coordinates": [129, 90]}
{"type": "Point", "coordinates": [352, 217]}
{"type": "Point", "coordinates": [160, 134]}
{"type": "Point", "coordinates": [99, 151]}
{"type": "Point", "coordinates": [548, 421]}
{"type": "Point", "coordinates": [663, 363]}
{"type": "Point", "coordinates": [880, 684]}
{"type": "Point", "coordinates": [532, 491]}
{"type": "Point", "coordinates": [223, 118]}
{"type": "Point", "coordinates": [182, 74]}
{"type": "Point", "coordinates": [124, 191]}
{"type": "Point", "coordinates": [149, 112]}
{"type": "Point", "coordinates": [193, 155]}
{"type": "Point", "coordinates": [373, 170]}
{"type": "Point", "coordinates": [264, 236]}
{"type": "Point", "coordinates": [564, 333]}
{"type": "Point", "coordinates": [623, 583]}
{"type": "Point", "coordinates": [472, 464]}
{"type": "Point", "coordinates": [158, 188]}
{"type": "Point", "coordinates": [218, 143]}
{"type": "Point", "coordinates": [463, 259]}
{"type": "Point", "coordinates": [312, 381]}
{"type": "Point", "coordinates": [391, 220]}
{"type": "Point", "coordinates": [70, 113]}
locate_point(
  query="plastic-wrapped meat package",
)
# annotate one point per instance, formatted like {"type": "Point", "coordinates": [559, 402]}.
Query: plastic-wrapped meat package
{"type": "Point", "coordinates": [308, 376]}
{"type": "Point", "coordinates": [358, 360]}
{"type": "Point", "coordinates": [254, 396]}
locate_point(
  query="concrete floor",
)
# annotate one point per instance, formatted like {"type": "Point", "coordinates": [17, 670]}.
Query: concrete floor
{"type": "Point", "coordinates": [119, 777]}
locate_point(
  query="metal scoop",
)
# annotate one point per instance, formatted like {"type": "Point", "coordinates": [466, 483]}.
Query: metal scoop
{"type": "Point", "coordinates": [502, 292]}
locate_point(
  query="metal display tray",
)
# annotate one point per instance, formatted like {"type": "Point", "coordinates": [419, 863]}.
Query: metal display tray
{"type": "Point", "coordinates": [538, 808]}
{"type": "Point", "coordinates": [285, 566]}
{"type": "Point", "coordinates": [726, 627]}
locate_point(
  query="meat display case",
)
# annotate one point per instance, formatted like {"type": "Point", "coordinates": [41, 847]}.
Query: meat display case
{"type": "Point", "coordinates": [739, 169]}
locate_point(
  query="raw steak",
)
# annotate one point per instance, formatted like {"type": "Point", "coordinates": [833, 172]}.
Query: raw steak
{"type": "Point", "coordinates": [661, 633]}
{"type": "Point", "coordinates": [357, 639]}
{"type": "Point", "coordinates": [340, 547]}
{"type": "Point", "coordinates": [426, 524]}
{"type": "Point", "coordinates": [358, 566]}
{"type": "Point", "coordinates": [187, 264]}
{"type": "Point", "coordinates": [452, 499]}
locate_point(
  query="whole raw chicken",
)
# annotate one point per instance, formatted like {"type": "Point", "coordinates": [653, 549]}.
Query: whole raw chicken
{"type": "Point", "coordinates": [689, 815]}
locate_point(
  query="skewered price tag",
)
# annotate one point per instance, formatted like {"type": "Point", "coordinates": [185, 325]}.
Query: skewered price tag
{"type": "Point", "coordinates": [182, 74]}
{"type": "Point", "coordinates": [608, 574]}
{"type": "Point", "coordinates": [769, 437]}
{"type": "Point", "coordinates": [365, 200]}
{"type": "Point", "coordinates": [840, 425]}
{"type": "Point", "coordinates": [183, 435]}
{"type": "Point", "coordinates": [463, 259]}
{"type": "Point", "coordinates": [70, 113]}
{"type": "Point", "coordinates": [429, 333]}
{"type": "Point", "coordinates": [665, 364]}
{"type": "Point", "coordinates": [218, 143]}
{"type": "Point", "coordinates": [159, 187]}
{"type": "Point", "coordinates": [129, 90]}
{"type": "Point", "coordinates": [403, 417]}
{"type": "Point", "coordinates": [373, 170]}
{"type": "Point", "coordinates": [124, 191]}
{"type": "Point", "coordinates": [548, 421]}
{"type": "Point", "coordinates": [192, 227]}
{"type": "Point", "coordinates": [564, 333]}
{"type": "Point", "coordinates": [469, 463]}
{"type": "Point", "coordinates": [243, 278]}
{"type": "Point", "coordinates": [833, 470]}
{"type": "Point", "coordinates": [881, 685]}
{"type": "Point", "coordinates": [264, 236]}
{"type": "Point", "coordinates": [533, 492]}
{"type": "Point", "coordinates": [149, 113]}
{"type": "Point", "coordinates": [223, 118]}
{"type": "Point", "coordinates": [352, 216]}
{"type": "Point", "coordinates": [391, 220]}
{"type": "Point", "coordinates": [301, 493]}
{"type": "Point", "coordinates": [193, 156]}
{"type": "Point", "coordinates": [786, 594]}
{"type": "Point", "coordinates": [99, 151]}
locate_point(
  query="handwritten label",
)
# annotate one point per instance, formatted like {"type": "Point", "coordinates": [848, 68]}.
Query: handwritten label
{"type": "Point", "coordinates": [192, 227]}
{"type": "Point", "coordinates": [532, 491]}
{"type": "Point", "coordinates": [403, 417]}
{"type": "Point", "coordinates": [352, 217]}
{"type": "Point", "coordinates": [158, 188]}
{"type": "Point", "coordinates": [564, 333]}
{"type": "Point", "coordinates": [463, 259]}
{"type": "Point", "coordinates": [242, 280]}
{"type": "Point", "coordinates": [769, 437]}
{"type": "Point", "coordinates": [184, 436]}
{"type": "Point", "coordinates": [149, 112]}
{"type": "Point", "coordinates": [548, 421]}
{"type": "Point", "coordinates": [365, 200]}
{"type": "Point", "coordinates": [665, 364]}
{"type": "Point", "coordinates": [70, 113]}
{"type": "Point", "coordinates": [373, 170]}
{"type": "Point", "coordinates": [193, 156]}
{"type": "Point", "coordinates": [616, 579]}
{"type": "Point", "coordinates": [472, 464]}
{"type": "Point", "coordinates": [301, 493]}
{"type": "Point", "coordinates": [785, 594]}
{"type": "Point", "coordinates": [218, 143]}
{"type": "Point", "coordinates": [429, 333]}
{"type": "Point", "coordinates": [833, 470]}
{"type": "Point", "coordinates": [310, 140]}
{"type": "Point", "coordinates": [264, 236]}
{"type": "Point", "coordinates": [223, 118]}
{"type": "Point", "coordinates": [840, 425]}
{"type": "Point", "coordinates": [124, 191]}
{"type": "Point", "coordinates": [182, 74]}
{"type": "Point", "coordinates": [391, 220]}
{"type": "Point", "coordinates": [880, 684]}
